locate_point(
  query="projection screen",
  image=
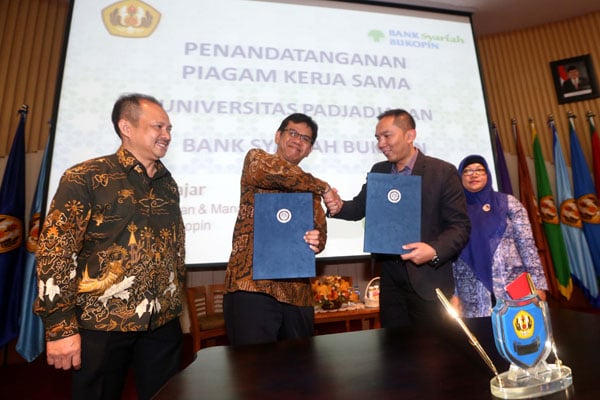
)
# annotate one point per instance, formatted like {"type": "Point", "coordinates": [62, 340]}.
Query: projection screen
{"type": "Point", "coordinates": [229, 71]}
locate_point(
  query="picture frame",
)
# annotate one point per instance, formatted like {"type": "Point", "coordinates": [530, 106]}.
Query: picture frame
{"type": "Point", "coordinates": [567, 71]}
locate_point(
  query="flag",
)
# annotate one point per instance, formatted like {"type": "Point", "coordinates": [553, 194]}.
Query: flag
{"type": "Point", "coordinates": [595, 150]}
{"type": "Point", "coordinates": [504, 184]}
{"type": "Point", "coordinates": [562, 74]}
{"type": "Point", "coordinates": [529, 201]}
{"type": "Point", "coordinates": [550, 220]}
{"type": "Point", "coordinates": [587, 199]}
{"type": "Point", "coordinates": [578, 252]}
{"type": "Point", "coordinates": [31, 333]}
{"type": "Point", "coordinates": [12, 213]}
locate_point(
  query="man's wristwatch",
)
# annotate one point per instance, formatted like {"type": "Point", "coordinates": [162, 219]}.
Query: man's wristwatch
{"type": "Point", "coordinates": [435, 261]}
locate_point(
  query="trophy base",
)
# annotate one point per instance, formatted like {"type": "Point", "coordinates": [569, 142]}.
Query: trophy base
{"type": "Point", "coordinates": [517, 383]}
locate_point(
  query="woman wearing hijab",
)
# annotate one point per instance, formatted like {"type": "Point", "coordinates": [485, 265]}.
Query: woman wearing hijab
{"type": "Point", "coordinates": [500, 247]}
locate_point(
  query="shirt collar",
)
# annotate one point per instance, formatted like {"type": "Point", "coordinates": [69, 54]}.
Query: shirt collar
{"type": "Point", "coordinates": [407, 170]}
{"type": "Point", "coordinates": [128, 161]}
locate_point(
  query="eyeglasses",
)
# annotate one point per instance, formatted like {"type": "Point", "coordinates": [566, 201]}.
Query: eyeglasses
{"type": "Point", "coordinates": [294, 133]}
{"type": "Point", "coordinates": [476, 171]}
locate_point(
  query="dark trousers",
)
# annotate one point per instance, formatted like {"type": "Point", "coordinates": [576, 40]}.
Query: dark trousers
{"type": "Point", "coordinates": [259, 318]}
{"type": "Point", "coordinates": [106, 357]}
{"type": "Point", "coordinates": [400, 305]}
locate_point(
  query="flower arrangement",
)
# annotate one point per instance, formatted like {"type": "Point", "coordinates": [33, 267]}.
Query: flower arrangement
{"type": "Point", "coordinates": [331, 291]}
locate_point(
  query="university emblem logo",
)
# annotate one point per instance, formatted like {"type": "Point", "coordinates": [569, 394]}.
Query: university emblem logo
{"type": "Point", "coordinates": [548, 210]}
{"type": "Point", "coordinates": [11, 233]}
{"type": "Point", "coordinates": [34, 233]}
{"type": "Point", "coordinates": [589, 209]}
{"type": "Point", "coordinates": [130, 18]}
{"type": "Point", "coordinates": [569, 213]}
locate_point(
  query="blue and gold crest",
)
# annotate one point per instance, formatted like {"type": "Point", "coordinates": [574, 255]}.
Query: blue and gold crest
{"type": "Point", "coordinates": [521, 331]}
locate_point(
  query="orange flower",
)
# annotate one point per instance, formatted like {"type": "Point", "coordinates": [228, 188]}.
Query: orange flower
{"type": "Point", "coordinates": [331, 291]}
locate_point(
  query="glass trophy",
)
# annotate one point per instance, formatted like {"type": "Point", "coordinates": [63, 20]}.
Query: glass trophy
{"type": "Point", "coordinates": [523, 336]}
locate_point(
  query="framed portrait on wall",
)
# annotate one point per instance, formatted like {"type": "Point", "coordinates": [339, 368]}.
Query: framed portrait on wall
{"type": "Point", "coordinates": [574, 79]}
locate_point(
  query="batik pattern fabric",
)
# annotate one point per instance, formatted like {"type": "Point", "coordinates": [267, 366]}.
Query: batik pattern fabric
{"type": "Point", "coordinates": [111, 254]}
{"type": "Point", "coordinates": [515, 254]}
{"type": "Point", "coordinates": [268, 173]}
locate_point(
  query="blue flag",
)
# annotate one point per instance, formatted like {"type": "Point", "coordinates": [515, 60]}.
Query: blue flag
{"type": "Point", "coordinates": [12, 215]}
{"type": "Point", "coordinates": [504, 184]}
{"type": "Point", "coordinates": [586, 196]}
{"type": "Point", "coordinates": [580, 259]}
{"type": "Point", "coordinates": [31, 334]}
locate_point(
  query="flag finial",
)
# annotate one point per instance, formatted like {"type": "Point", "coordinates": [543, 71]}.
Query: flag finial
{"type": "Point", "coordinates": [571, 115]}
{"type": "Point", "coordinates": [589, 113]}
{"type": "Point", "coordinates": [550, 118]}
{"type": "Point", "coordinates": [24, 109]}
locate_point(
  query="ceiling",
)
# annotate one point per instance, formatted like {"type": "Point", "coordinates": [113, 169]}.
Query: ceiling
{"type": "Point", "coordinates": [498, 16]}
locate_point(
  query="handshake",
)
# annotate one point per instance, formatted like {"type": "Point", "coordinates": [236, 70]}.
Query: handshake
{"type": "Point", "coordinates": [333, 201]}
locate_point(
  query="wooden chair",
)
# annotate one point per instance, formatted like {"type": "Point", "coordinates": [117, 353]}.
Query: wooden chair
{"type": "Point", "coordinates": [205, 323]}
{"type": "Point", "coordinates": [215, 297]}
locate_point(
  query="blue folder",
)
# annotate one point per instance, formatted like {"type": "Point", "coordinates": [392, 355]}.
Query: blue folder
{"type": "Point", "coordinates": [280, 221]}
{"type": "Point", "coordinates": [393, 212]}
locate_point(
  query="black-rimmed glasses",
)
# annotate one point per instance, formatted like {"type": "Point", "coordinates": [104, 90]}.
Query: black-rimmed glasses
{"type": "Point", "coordinates": [294, 133]}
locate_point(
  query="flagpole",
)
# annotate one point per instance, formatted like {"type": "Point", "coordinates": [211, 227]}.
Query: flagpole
{"type": "Point", "coordinates": [595, 142]}
{"type": "Point", "coordinates": [12, 193]}
{"type": "Point", "coordinates": [24, 110]}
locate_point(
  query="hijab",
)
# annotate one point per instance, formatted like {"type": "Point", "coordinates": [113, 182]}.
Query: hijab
{"type": "Point", "coordinates": [488, 212]}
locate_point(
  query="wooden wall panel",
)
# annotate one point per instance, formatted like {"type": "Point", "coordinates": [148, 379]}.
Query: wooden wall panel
{"type": "Point", "coordinates": [515, 67]}
{"type": "Point", "coordinates": [518, 81]}
{"type": "Point", "coordinates": [31, 37]}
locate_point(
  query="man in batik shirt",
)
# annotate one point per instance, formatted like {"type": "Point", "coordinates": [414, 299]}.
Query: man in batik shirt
{"type": "Point", "coordinates": [258, 311]}
{"type": "Point", "coordinates": [111, 262]}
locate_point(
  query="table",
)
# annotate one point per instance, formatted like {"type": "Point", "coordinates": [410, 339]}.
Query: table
{"type": "Point", "coordinates": [365, 318]}
{"type": "Point", "coordinates": [400, 363]}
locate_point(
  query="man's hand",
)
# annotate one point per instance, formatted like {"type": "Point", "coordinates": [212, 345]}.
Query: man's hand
{"type": "Point", "coordinates": [64, 353]}
{"type": "Point", "coordinates": [419, 253]}
{"type": "Point", "coordinates": [312, 238]}
{"type": "Point", "coordinates": [333, 201]}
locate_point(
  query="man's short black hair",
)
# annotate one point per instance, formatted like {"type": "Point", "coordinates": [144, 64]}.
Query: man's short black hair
{"type": "Point", "coordinates": [128, 107]}
{"type": "Point", "coordinates": [299, 118]}
{"type": "Point", "coordinates": [402, 118]}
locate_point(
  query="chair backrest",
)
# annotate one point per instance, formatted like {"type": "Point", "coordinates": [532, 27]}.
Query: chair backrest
{"type": "Point", "coordinates": [197, 302]}
{"type": "Point", "coordinates": [215, 298]}
{"type": "Point", "coordinates": [205, 323]}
